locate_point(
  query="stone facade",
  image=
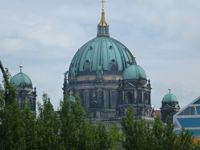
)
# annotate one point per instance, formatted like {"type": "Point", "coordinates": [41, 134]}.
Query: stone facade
{"type": "Point", "coordinates": [26, 96]}
{"type": "Point", "coordinates": [99, 97]}
{"type": "Point", "coordinates": [169, 109]}
{"type": "Point", "coordinates": [136, 95]}
{"type": "Point", "coordinates": [110, 96]}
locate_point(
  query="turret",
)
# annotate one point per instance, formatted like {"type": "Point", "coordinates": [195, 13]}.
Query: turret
{"type": "Point", "coordinates": [24, 89]}
{"type": "Point", "coordinates": [170, 106]}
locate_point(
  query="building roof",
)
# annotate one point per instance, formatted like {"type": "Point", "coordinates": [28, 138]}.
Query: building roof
{"type": "Point", "coordinates": [169, 97]}
{"type": "Point", "coordinates": [21, 80]}
{"type": "Point", "coordinates": [134, 72]}
{"type": "Point", "coordinates": [189, 118]}
{"type": "Point", "coordinates": [100, 54]}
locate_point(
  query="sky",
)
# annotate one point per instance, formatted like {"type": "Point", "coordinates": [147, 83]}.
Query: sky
{"type": "Point", "coordinates": [163, 35]}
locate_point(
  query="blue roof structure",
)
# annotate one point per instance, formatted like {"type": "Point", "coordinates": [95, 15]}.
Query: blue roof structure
{"type": "Point", "coordinates": [189, 118]}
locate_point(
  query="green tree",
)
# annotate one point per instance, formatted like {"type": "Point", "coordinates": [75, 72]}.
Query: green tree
{"type": "Point", "coordinates": [87, 136]}
{"type": "Point", "coordinates": [66, 124]}
{"type": "Point", "coordinates": [73, 122]}
{"type": "Point", "coordinates": [196, 146]}
{"type": "Point", "coordinates": [12, 132]}
{"type": "Point", "coordinates": [9, 90]}
{"type": "Point", "coordinates": [165, 138]}
{"type": "Point", "coordinates": [30, 128]}
{"type": "Point", "coordinates": [136, 133]}
{"type": "Point", "coordinates": [184, 141]}
{"type": "Point", "coordinates": [47, 126]}
{"type": "Point", "coordinates": [157, 134]}
{"type": "Point", "coordinates": [1, 104]}
{"type": "Point", "coordinates": [78, 132]}
{"type": "Point", "coordinates": [95, 136]}
{"type": "Point", "coordinates": [102, 137]}
{"type": "Point", "coordinates": [78, 118]}
{"type": "Point", "coordinates": [115, 137]}
{"type": "Point", "coordinates": [1, 99]}
{"type": "Point", "coordinates": [169, 138]}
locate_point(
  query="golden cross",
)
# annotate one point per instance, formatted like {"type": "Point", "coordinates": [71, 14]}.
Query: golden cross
{"type": "Point", "coordinates": [103, 3]}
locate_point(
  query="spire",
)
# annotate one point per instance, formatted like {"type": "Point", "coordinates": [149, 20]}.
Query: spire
{"type": "Point", "coordinates": [103, 22]}
{"type": "Point", "coordinates": [103, 19]}
{"type": "Point", "coordinates": [103, 27]}
{"type": "Point", "coordinates": [20, 68]}
{"type": "Point", "coordinates": [170, 90]}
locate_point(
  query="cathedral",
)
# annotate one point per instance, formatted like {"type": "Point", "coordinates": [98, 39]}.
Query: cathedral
{"type": "Point", "coordinates": [107, 77]}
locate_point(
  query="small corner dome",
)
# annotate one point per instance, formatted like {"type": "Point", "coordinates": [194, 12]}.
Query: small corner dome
{"type": "Point", "coordinates": [134, 72]}
{"type": "Point", "coordinates": [21, 80]}
{"type": "Point", "coordinates": [169, 97]}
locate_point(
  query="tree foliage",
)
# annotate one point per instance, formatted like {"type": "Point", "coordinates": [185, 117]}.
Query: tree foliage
{"type": "Point", "coordinates": [30, 128]}
{"type": "Point", "coordinates": [139, 135]}
{"type": "Point", "coordinates": [136, 133]}
{"type": "Point", "coordinates": [47, 126]}
{"type": "Point", "coordinates": [11, 129]}
{"type": "Point", "coordinates": [78, 132]}
{"type": "Point", "coordinates": [68, 128]}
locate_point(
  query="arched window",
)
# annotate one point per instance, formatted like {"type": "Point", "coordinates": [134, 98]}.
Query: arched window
{"type": "Point", "coordinates": [86, 98]}
{"type": "Point", "coordinates": [100, 97]}
{"type": "Point", "coordinates": [86, 66]}
{"type": "Point", "coordinates": [113, 65]}
{"type": "Point", "coordinates": [139, 96]}
{"type": "Point", "coordinates": [130, 98]}
{"type": "Point", "coordinates": [146, 98]}
{"type": "Point", "coordinates": [149, 98]}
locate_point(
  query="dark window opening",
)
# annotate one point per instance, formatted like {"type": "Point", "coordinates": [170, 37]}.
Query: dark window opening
{"type": "Point", "coordinates": [113, 65]}
{"type": "Point", "coordinates": [130, 98]}
{"type": "Point", "coordinates": [139, 96]}
{"type": "Point", "coordinates": [86, 66]}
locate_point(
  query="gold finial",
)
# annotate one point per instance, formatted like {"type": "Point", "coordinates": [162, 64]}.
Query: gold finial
{"type": "Point", "coordinates": [103, 19]}
{"type": "Point", "coordinates": [20, 68]}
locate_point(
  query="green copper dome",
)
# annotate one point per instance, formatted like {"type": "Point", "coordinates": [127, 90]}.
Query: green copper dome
{"type": "Point", "coordinates": [134, 72]}
{"type": "Point", "coordinates": [169, 97]}
{"type": "Point", "coordinates": [21, 80]}
{"type": "Point", "coordinates": [101, 54]}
